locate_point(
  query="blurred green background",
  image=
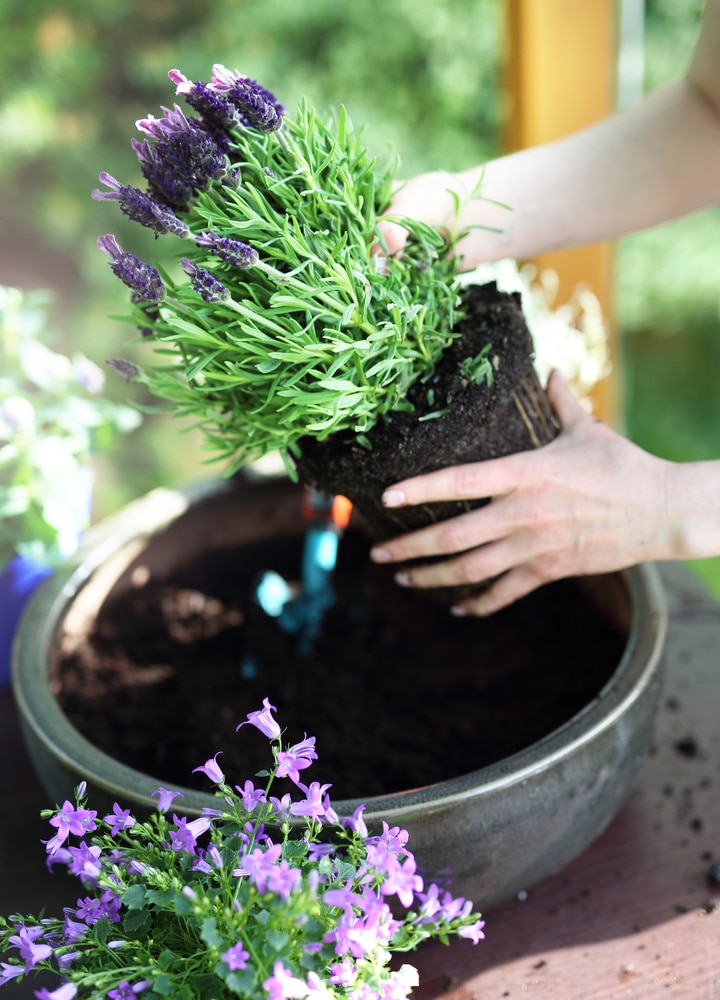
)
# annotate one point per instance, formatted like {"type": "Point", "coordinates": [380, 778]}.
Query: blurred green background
{"type": "Point", "coordinates": [425, 76]}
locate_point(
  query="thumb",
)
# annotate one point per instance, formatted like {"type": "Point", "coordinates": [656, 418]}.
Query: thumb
{"type": "Point", "coordinates": [566, 407]}
{"type": "Point", "coordinates": [391, 237]}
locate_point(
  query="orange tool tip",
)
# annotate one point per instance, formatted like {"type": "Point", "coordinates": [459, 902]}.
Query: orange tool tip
{"type": "Point", "coordinates": [341, 511]}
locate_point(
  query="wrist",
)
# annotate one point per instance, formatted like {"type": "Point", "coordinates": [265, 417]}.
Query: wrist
{"type": "Point", "coordinates": [693, 509]}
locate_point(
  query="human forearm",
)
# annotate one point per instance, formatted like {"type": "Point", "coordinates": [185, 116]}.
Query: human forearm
{"type": "Point", "coordinates": [658, 160]}
{"type": "Point", "coordinates": [692, 504]}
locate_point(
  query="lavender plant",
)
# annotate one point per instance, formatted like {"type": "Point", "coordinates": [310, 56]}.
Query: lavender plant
{"type": "Point", "coordinates": [280, 322]}
{"type": "Point", "coordinates": [267, 896]}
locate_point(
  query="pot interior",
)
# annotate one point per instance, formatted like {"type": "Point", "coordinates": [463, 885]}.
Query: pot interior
{"type": "Point", "coordinates": [165, 650]}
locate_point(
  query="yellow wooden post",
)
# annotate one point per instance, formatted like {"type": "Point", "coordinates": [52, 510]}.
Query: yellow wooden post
{"type": "Point", "coordinates": [561, 77]}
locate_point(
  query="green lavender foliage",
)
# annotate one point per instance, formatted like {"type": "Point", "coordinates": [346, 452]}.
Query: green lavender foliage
{"type": "Point", "coordinates": [322, 335]}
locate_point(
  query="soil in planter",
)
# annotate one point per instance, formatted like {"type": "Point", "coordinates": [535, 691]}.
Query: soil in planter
{"type": "Point", "coordinates": [398, 692]}
{"type": "Point", "coordinates": [453, 420]}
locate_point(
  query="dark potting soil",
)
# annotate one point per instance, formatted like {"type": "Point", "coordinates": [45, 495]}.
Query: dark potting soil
{"type": "Point", "coordinates": [452, 420]}
{"type": "Point", "coordinates": [398, 693]}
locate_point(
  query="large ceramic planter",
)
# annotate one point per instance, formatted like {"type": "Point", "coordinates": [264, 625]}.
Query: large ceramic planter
{"type": "Point", "coordinates": [490, 833]}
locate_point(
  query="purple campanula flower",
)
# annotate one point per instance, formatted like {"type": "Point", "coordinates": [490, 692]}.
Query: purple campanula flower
{"type": "Point", "coordinates": [86, 861]}
{"type": "Point", "coordinates": [281, 807]}
{"type": "Point", "coordinates": [142, 278]}
{"type": "Point", "coordinates": [231, 251]}
{"type": "Point", "coordinates": [205, 283]}
{"type": "Point", "coordinates": [402, 880]}
{"type": "Point", "coordinates": [263, 720]}
{"type": "Point", "coordinates": [296, 758]}
{"type": "Point", "coordinates": [70, 819]}
{"type": "Point", "coordinates": [185, 837]}
{"type": "Point", "coordinates": [343, 973]}
{"type": "Point", "coordinates": [8, 972]}
{"type": "Point", "coordinates": [474, 932]}
{"type": "Point", "coordinates": [212, 769]}
{"type": "Point", "coordinates": [140, 207]}
{"type": "Point", "coordinates": [30, 949]}
{"type": "Point", "coordinates": [235, 957]}
{"type": "Point", "coordinates": [250, 795]}
{"type": "Point", "coordinates": [119, 819]}
{"type": "Point", "coordinates": [124, 991]}
{"type": "Point", "coordinates": [312, 804]}
{"type": "Point", "coordinates": [283, 986]}
{"type": "Point", "coordinates": [356, 823]}
{"type": "Point", "coordinates": [129, 371]}
{"type": "Point", "coordinates": [165, 798]}
{"type": "Point", "coordinates": [65, 992]}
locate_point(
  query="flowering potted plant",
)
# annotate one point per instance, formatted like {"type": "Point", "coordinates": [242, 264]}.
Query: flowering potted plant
{"type": "Point", "coordinates": [53, 417]}
{"type": "Point", "coordinates": [283, 328]}
{"type": "Point", "coordinates": [236, 902]}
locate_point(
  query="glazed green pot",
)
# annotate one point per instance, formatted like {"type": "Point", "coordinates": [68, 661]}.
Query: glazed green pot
{"type": "Point", "coordinates": [490, 833]}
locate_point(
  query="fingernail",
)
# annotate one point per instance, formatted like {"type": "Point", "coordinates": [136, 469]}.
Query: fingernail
{"type": "Point", "coordinates": [403, 579]}
{"type": "Point", "coordinates": [380, 555]}
{"type": "Point", "coordinates": [393, 498]}
{"type": "Point", "coordinates": [459, 611]}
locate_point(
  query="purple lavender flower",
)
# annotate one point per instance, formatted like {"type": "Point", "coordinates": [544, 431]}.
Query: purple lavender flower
{"type": "Point", "coordinates": [205, 283]}
{"type": "Point", "coordinates": [165, 798]}
{"type": "Point", "coordinates": [263, 720]}
{"type": "Point", "coordinates": [212, 769]}
{"type": "Point", "coordinates": [236, 957]}
{"type": "Point", "coordinates": [228, 82]}
{"type": "Point", "coordinates": [180, 163]}
{"type": "Point", "coordinates": [128, 370]}
{"type": "Point", "coordinates": [143, 279]}
{"type": "Point", "coordinates": [231, 251]}
{"type": "Point", "coordinates": [140, 207]}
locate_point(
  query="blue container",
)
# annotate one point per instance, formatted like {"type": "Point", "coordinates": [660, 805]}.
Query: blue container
{"type": "Point", "coordinates": [18, 580]}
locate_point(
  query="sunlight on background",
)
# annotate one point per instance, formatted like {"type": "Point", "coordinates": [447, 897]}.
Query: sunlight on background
{"type": "Point", "coordinates": [425, 78]}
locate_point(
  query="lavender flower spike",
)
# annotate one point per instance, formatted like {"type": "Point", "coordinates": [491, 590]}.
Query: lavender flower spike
{"type": "Point", "coordinates": [204, 283]}
{"type": "Point", "coordinates": [231, 251]}
{"type": "Point", "coordinates": [140, 207]}
{"type": "Point", "coordinates": [142, 278]}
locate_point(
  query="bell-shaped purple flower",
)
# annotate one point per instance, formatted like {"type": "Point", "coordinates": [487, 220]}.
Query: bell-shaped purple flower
{"type": "Point", "coordinates": [231, 251]}
{"type": "Point", "coordinates": [212, 769]}
{"type": "Point", "coordinates": [263, 720]}
{"type": "Point", "coordinates": [142, 278]}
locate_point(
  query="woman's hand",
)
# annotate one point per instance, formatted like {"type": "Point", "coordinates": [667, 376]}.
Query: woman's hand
{"type": "Point", "coordinates": [588, 502]}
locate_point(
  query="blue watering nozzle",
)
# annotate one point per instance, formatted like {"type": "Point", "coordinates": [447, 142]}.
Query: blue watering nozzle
{"type": "Point", "coordinates": [302, 612]}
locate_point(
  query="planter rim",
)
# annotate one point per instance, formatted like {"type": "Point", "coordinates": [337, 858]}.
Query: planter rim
{"type": "Point", "coordinates": [119, 533]}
